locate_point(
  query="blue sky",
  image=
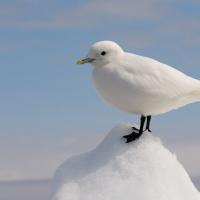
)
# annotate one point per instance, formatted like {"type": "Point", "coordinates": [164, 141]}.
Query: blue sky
{"type": "Point", "coordinates": [45, 96]}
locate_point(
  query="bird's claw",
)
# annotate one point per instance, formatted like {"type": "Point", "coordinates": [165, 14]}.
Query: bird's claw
{"type": "Point", "coordinates": [131, 137]}
{"type": "Point", "coordinates": [135, 129]}
{"type": "Point", "coordinates": [147, 129]}
{"type": "Point", "coordinates": [134, 135]}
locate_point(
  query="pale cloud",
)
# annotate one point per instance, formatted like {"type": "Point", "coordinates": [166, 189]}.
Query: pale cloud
{"type": "Point", "coordinates": [117, 10]}
{"type": "Point", "coordinates": [90, 13]}
{"type": "Point", "coordinates": [133, 39]}
{"type": "Point", "coordinates": [162, 17]}
{"type": "Point", "coordinates": [44, 14]}
{"type": "Point", "coordinates": [187, 27]}
{"type": "Point", "coordinates": [129, 17]}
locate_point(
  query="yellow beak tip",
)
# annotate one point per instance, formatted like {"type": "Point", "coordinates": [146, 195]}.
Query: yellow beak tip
{"type": "Point", "coordinates": [79, 62]}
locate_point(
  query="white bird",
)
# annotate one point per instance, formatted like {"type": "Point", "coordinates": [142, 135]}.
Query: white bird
{"type": "Point", "coordinates": [137, 84]}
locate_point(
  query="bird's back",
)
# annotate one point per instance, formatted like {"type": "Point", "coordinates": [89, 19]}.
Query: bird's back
{"type": "Point", "coordinates": [142, 85]}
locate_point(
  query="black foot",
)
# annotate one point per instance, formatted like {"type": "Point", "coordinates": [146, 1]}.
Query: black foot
{"type": "Point", "coordinates": [147, 129]}
{"type": "Point", "coordinates": [131, 137]}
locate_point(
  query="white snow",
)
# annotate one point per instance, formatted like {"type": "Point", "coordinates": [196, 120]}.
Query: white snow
{"type": "Point", "coordinates": [114, 170]}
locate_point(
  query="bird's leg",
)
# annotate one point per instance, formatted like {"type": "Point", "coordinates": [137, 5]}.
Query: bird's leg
{"type": "Point", "coordinates": [135, 135]}
{"type": "Point", "coordinates": [148, 123]}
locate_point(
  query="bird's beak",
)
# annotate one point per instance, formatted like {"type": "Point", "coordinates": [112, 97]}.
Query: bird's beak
{"type": "Point", "coordinates": [85, 60]}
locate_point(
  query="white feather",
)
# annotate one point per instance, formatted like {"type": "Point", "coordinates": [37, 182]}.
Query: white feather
{"type": "Point", "coordinates": [138, 84]}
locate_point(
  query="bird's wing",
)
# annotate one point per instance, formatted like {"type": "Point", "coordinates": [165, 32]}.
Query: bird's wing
{"type": "Point", "coordinates": [157, 78]}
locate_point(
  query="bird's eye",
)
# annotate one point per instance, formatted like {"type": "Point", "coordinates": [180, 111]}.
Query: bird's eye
{"type": "Point", "coordinates": [103, 53]}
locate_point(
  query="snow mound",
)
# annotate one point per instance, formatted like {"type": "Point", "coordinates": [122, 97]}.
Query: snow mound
{"type": "Point", "coordinates": [114, 170]}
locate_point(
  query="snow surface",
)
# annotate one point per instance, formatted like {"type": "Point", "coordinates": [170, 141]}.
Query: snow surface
{"type": "Point", "coordinates": [114, 170]}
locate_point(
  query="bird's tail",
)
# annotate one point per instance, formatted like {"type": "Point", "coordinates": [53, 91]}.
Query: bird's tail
{"type": "Point", "coordinates": [196, 94]}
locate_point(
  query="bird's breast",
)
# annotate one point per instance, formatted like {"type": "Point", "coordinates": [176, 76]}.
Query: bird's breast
{"type": "Point", "coordinates": [116, 89]}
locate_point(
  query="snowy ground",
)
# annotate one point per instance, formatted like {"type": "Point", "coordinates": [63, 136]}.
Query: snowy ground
{"type": "Point", "coordinates": [113, 170]}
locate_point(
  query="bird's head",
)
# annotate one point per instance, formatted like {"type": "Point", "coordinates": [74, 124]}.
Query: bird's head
{"type": "Point", "coordinates": [102, 53]}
